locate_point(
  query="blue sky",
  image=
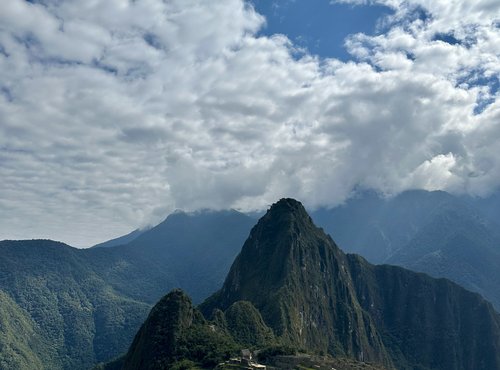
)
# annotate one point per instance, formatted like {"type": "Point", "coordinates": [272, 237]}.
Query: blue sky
{"type": "Point", "coordinates": [319, 25]}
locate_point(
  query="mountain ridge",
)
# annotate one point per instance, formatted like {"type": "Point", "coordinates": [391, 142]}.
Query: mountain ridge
{"type": "Point", "coordinates": [89, 303]}
{"type": "Point", "coordinates": [124, 300]}
{"type": "Point", "coordinates": [417, 230]}
{"type": "Point", "coordinates": [360, 296]}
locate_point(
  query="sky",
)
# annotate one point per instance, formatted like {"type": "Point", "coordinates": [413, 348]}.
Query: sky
{"type": "Point", "coordinates": [320, 26]}
{"type": "Point", "coordinates": [114, 113]}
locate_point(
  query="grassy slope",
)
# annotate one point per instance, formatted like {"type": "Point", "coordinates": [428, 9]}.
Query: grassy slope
{"type": "Point", "coordinates": [81, 316]}
{"type": "Point", "coordinates": [88, 304]}
{"type": "Point", "coordinates": [21, 345]}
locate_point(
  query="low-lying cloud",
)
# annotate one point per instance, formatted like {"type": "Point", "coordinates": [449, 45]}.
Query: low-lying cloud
{"type": "Point", "coordinates": [113, 111]}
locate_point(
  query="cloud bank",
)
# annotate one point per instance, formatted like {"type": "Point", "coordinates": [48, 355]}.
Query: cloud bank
{"type": "Point", "coordinates": [114, 112]}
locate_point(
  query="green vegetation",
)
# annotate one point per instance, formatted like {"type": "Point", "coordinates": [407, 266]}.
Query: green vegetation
{"type": "Point", "coordinates": [88, 304]}
{"type": "Point", "coordinates": [434, 232]}
{"type": "Point", "coordinates": [291, 290]}
{"type": "Point", "coordinates": [246, 325]}
{"type": "Point", "coordinates": [315, 297]}
{"type": "Point", "coordinates": [427, 323]}
{"type": "Point", "coordinates": [80, 317]}
{"type": "Point", "coordinates": [185, 365]}
{"type": "Point", "coordinates": [175, 335]}
{"type": "Point", "coordinates": [292, 273]}
{"type": "Point", "coordinates": [267, 353]}
{"type": "Point", "coordinates": [21, 346]}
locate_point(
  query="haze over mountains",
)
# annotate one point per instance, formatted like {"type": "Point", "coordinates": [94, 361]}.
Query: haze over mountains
{"type": "Point", "coordinates": [292, 285]}
{"type": "Point", "coordinates": [84, 306]}
{"type": "Point", "coordinates": [113, 114]}
{"type": "Point", "coordinates": [432, 232]}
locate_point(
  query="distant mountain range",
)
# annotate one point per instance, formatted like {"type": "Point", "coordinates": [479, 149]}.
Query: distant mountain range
{"type": "Point", "coordinates": [433, 232]}
{"type": "Point", "coordinates": [76, 316]}
{"type": "Point", "coordinates": [291, 287]}
{"type": "Point", "coordinates": [84, 306]}
{"type": "Point", "coordinates": [79, 307]}
{"type": "Point", "coordinates": [121, 240]}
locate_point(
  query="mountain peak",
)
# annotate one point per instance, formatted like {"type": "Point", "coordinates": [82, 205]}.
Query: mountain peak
{"type": "Point", "coordinates": [287, 203]}
{"type": "Point", "coordinates": [157, 339]}
{"type": "Point", "coordinates": [174, 330]}
{"type": "Point", "coordinates": [288, 206]}
{"type": "Point", "coordinates": [285, 218]}
{"type": "Point", "coordinates": [279, 244]}
{"type": "Point", "coordinates": [283, 269]}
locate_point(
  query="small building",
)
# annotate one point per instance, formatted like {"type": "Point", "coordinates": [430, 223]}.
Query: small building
{"type": "Point", "coordinates": [246, 354]}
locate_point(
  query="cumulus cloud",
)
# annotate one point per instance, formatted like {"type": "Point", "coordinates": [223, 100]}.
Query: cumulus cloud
{"type": "Point", "coordinates": [116, 111]}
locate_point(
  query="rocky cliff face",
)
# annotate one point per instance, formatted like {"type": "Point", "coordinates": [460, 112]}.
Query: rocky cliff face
{"type": "Point", "coordinates": [314, 296]}
{"type": "Point", "coordinates": [427, 323]}
{"type": "Point", "coordinates": [292, 286]}
{"type": "Point", "coordinates": [299, 280]}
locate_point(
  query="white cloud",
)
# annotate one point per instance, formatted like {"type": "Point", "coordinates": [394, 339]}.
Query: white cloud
{"type": "Point", "coordinates": [113, 111]}
{"type": "Point", "coordinates": [435, 174]}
